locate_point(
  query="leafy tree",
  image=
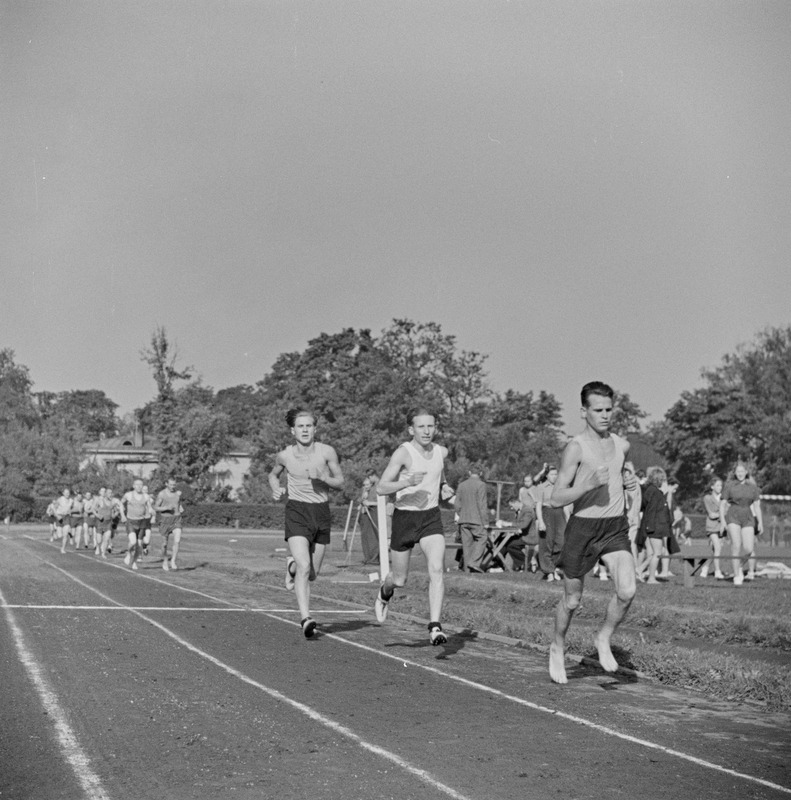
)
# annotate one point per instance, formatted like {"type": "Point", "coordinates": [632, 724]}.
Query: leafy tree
{"type": "Point", "coordinates": [89, 411]}
{"type": "Point", "coordinates": [627, 415]}
{"type": "Point", "coordinates": [741, 413]}
{"type": "Point", "coordinates": [245, 408]}
{"type": "Point", "coordinates": [192, 434]}
{"type": "Point", "coordinates": [16, 402]}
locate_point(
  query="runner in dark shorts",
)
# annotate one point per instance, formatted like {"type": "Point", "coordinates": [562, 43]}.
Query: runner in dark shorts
{"type": "Point", "coordinates": [415, 474]}
{"type": "Point", "coordinates": [311, 520]}
{"type": "Point", "coordinates": [592, 480]}
{"type": "Point", "coordinates": [587, 540]}
{"type": "Point", "coordinates": [311, 469]}
{"type": "Point", "coordinates": [409, 527]}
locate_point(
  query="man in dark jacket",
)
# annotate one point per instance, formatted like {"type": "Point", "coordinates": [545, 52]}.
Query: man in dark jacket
{"type": "Point", "coordinates": [473, 514]}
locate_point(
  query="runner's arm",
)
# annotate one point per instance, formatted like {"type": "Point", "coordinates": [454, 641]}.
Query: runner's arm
{"type": "Point", "coordinates": [390, 483]}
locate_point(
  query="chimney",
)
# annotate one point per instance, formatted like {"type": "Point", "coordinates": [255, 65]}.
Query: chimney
{"type": "Point", "coordinates": [138, 439]}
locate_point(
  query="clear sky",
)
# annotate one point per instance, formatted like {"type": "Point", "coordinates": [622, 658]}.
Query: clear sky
{"type": "Point", "coordinates": [580, 190]}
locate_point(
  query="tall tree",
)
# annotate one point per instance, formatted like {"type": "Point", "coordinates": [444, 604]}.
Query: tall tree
{"type": "Point", "coordinates": [741, 413]}
{"type": "Point", "coordinates": [192, 435]}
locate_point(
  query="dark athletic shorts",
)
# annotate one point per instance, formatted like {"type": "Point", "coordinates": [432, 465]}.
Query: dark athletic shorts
{"type": "Point", "coordinates": [136, 526]}
{"type": "Point", "coordinates": [588, 539]}
{"type": "Point", "coordinates": [169, 523]}
{"type": "Point", "coordinates": [103, 525]}
{"type": "Point", "coordinates": [311, 520]}
{"type": "Point", "coordinates": [91, 520]}
{"type": "Point", "coordinates": [409, 527]}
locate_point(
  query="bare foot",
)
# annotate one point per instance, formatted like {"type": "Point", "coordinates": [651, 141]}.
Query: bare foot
{"type": "Point", "coordinates": [557, 664]}
{"type": "Point", "coordinates": [606, 658]}
{"type": "Point", "coordinates": [652, 580]}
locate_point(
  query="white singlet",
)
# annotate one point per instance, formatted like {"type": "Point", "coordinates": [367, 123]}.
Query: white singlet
{"type": "Point", "coordinates": [426, 494]}
{"type": "Point", "coordinates": [606, 500]}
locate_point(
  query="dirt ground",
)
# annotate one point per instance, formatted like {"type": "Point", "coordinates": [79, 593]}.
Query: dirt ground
{"type": "Point", "coordinates": [198, 683]}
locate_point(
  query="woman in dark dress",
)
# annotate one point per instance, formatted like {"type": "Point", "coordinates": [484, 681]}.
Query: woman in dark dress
{"type": "Point", "coordinates": [656, 524]}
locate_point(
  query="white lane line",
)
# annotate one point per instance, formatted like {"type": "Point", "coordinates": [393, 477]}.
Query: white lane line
{"type": "Point", "coordinates": [521, 701]}
{"type": "Point", "coordinates": [70, 747]}
{"type": "Point", "coordinates": [317, 716]}
{"type": "Point", "coordinates": [241, 610]}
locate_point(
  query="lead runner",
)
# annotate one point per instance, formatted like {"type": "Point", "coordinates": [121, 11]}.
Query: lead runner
{"type": "Point", "coordinates": [591, 477]}
{"type": "Point", "coordinates": [311, 469]}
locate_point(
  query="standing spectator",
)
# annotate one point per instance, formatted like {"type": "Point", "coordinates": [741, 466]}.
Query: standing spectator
{"type": "Point", "coordinates": [715, 530]}
{"type": "Point", "coordinates": [473, 514]}
{"type": "Point", "coordinates": [740, 511]}
{"type": "Point", "coordinates": [655, 525]}
{"type": "Point", "coordinates": [634, 499]}
{"type": "Point", "coordinates": [530, 490]}
{"type": "Point", "coordinates": [551, 528]}
{"type": "Point", "coordinates": [368, 532]}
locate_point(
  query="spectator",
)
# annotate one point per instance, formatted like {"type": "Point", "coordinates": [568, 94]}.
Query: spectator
{"type": "Point", "coordinates": [634, 499]}
{"type": "Point", "coordinates": [655, 525]}
{"type": "Point", "coordinates": [473, 518]}
{"type": "Point", "coordinates": [715, 530]}
{"type": "Point", "coordinates": [551, 528]}
{"type": "Point", "coordinates": [740, 511]}
{"type": "Point", "coordinates": [523, 549]}
{"type": "Point", "coordinates": [369, 536]}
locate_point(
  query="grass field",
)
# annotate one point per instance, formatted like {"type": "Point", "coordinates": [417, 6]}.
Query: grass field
{"type": "Point", "coordinates": [727, 642]}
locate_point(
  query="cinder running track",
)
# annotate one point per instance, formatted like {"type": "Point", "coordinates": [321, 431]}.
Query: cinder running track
{"type": "Point", "coordinates": [130, 686]}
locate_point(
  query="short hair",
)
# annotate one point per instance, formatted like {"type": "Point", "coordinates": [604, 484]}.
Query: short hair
{"type": "Point", "coordinates": [656, 475]}
{"type": "Point", "coordinates": [713, 480]}
{"type": "Point", "coordinates": [596, 387]}
{"type": "Point", "coordinates": [418, 411]}
{"type": "Point", "coordinates": [294, 413]}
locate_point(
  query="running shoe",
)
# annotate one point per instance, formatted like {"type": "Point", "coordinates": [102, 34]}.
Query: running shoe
{"type": "Point", "coordinates": [289, 573]}
{"type": "Point", "coordinates": [173, 564]}
{"type": "Point", "coordinates": [380, 607]}
{"type": "Point", "coordinates": [127, 559]}
{"type": "Point", "coordinates": [436, 634]}
{"type": "Point", "coordinates": [308, 627]}
{"type": "Point", "coordinates": [165, 565]}
{"type": "Point", "coordinates": [738, 578]}
{"type": "Point", "coordinates": [134, 565]}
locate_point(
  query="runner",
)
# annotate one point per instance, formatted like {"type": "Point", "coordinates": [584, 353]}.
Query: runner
{"type": "Point", "coordinates": [591, 477]}
{"type": "Point", "coordinates": [136, 507]}
{"type": "Point", "coordinates": [169, 507]}
{"type": "Point", "coordinates": [415, 475]}
{"type": "Point", "coordinates": [103, 507]}
{"type": "Point", "coordinates": [150, 519]}
{"type": "Point", "coordinates": [115, 518]}
{"type": "Point", "coordinates": [63, 518]}
{"type": "Point", "coordinates": [91, 539]}
{"type": "Point", "coordinates": [311, 469]}
{"type": "Point", "coordinates": [78, 519]}
{"type": "Point", "coordinates": [53, 520]}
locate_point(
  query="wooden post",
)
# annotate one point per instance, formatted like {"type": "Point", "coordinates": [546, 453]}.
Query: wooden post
{"type": "Point", "coordinates": [384, 550]}
{"type": "Point", "coordinates": [689, 573]}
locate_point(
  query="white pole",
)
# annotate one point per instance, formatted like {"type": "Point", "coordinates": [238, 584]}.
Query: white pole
{"type": "Point", "coordinates": [348, 519]}
{"type": "Point", "coordinates": [381, 521]}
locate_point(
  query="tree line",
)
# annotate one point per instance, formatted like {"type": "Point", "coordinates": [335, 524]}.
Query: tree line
{"type": "Point", "coordinates": [361, 387]}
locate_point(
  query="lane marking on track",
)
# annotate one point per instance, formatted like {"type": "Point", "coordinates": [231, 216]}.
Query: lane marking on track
{"type": "Point", "coordinates": [241, 610]}
{"type": "Point", "coordinates": [317, 716]}
{"type": "Point", "coordinates": [490, 690]}
{"type": "Point", "coordinates": [70, 747]}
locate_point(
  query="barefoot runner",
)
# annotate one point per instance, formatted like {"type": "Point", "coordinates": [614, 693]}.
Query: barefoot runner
{"type": "Point", "coordinates": [591, 477]}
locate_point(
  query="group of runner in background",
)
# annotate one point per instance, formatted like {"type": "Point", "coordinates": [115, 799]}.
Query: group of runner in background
{"type": "Point", "coordinates": [88, 521]}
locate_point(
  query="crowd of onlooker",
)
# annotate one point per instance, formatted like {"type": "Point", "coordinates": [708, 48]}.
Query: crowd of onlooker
{"type": "Point", "coordinates": [658, 526]}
